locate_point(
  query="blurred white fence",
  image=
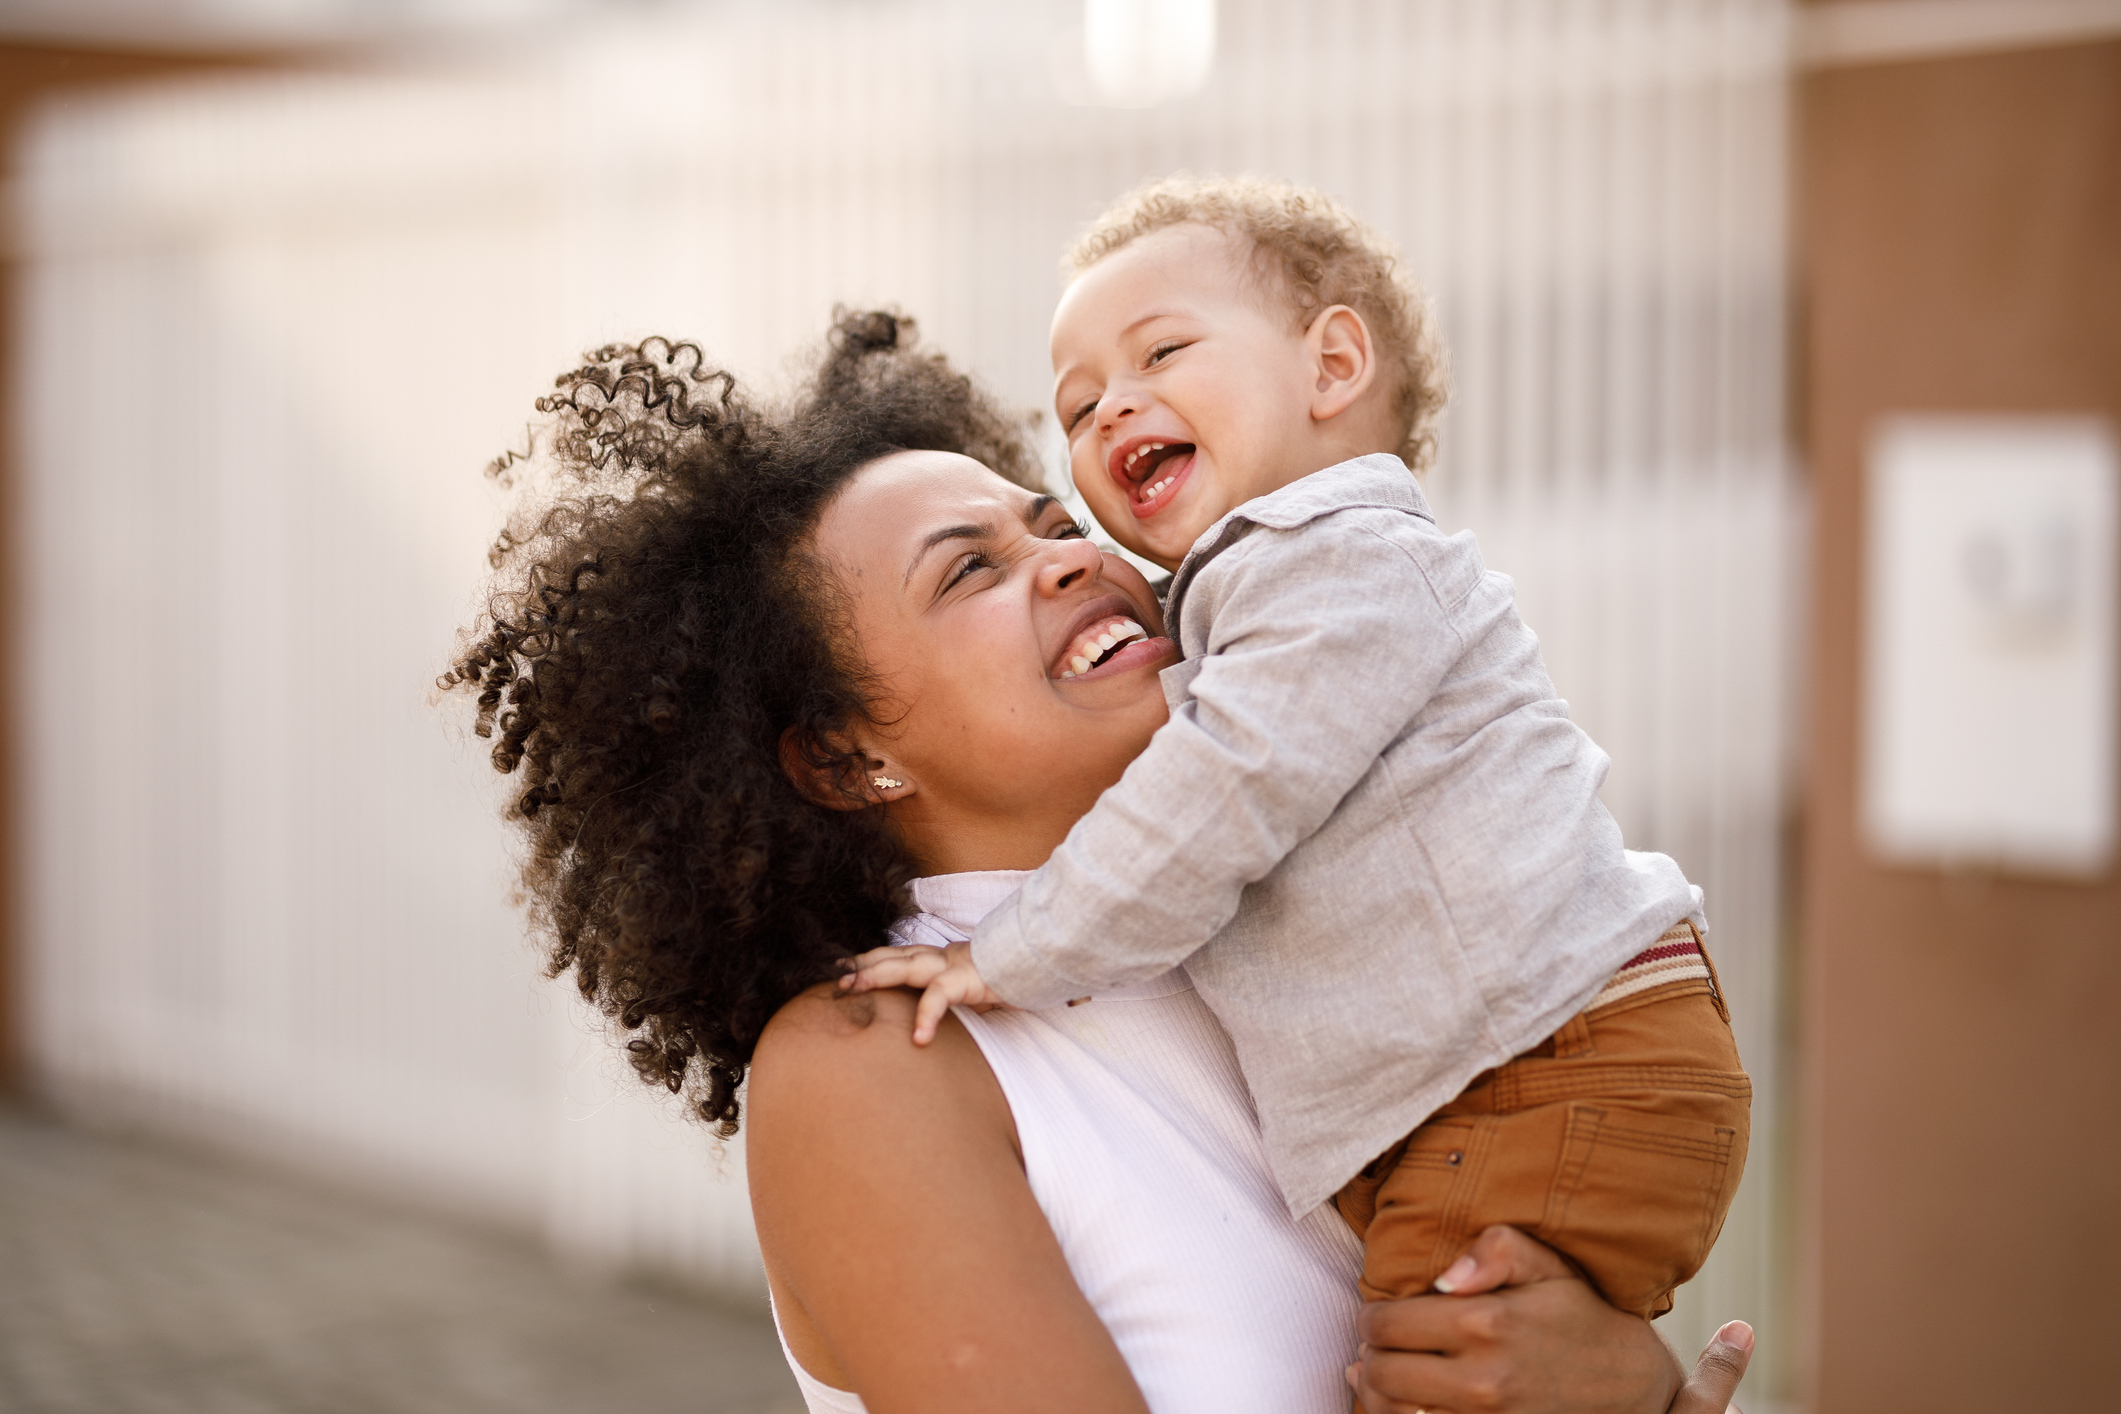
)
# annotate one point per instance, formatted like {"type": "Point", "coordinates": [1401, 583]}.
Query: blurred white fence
{"type": "Point", "coordinates": [272, 329]}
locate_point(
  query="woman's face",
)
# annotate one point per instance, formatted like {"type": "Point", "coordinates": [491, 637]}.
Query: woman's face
{"type": "Point", "coordinates": [1016, 663]}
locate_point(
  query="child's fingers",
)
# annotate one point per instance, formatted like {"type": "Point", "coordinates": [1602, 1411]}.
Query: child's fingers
{"type": "Point", "coordinates": [874, 956]}
{"type": "Point", "coordinates": [928, 1016]}
{"type": "Point", "coordinates": [896, 967]}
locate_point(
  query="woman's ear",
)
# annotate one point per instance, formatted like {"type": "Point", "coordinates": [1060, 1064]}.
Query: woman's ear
{"type": "Point", "coordinates": [840, 775]}
{"type": "Point", "coordinates": [1343, 358]}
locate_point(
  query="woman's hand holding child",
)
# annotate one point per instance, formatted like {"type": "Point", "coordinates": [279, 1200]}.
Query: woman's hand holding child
{"type": "Point", "coordinates": [1491, 1345]}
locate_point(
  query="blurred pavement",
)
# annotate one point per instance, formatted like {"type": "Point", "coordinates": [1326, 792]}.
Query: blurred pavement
{"type": "Point", "coordinates": [137, 1280]}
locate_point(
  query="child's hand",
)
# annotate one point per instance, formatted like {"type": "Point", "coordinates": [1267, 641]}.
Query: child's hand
{"type": "Point", "coordinates": [945, 976]}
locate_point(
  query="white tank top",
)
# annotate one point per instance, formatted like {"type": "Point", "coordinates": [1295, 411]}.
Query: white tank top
{"type": "Point", "coordinates": [1144, 1151]}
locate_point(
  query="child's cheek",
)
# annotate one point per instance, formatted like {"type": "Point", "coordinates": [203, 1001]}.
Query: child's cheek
{"type": "Point", "coordinates": [1109, 508]}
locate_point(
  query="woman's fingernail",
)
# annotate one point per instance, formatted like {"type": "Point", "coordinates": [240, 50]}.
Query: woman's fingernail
{"type": "Point", "coordinates": [1456, 1275]}
{"type": "Point", "coordinates": [1737, 1334]}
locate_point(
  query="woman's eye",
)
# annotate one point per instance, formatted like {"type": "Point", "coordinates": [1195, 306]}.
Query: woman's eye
{"type": "Point", "coordinates": [967, 566]}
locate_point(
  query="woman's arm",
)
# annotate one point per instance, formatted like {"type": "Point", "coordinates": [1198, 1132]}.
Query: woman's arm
{"type": "Point", "coordinates": [1543, 1344]}
{"type": "Point", "coordinates": [910, 1259]}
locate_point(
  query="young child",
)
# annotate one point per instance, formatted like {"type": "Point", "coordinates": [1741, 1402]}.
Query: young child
{"type": "Point", "coordinates": [1370, 830]}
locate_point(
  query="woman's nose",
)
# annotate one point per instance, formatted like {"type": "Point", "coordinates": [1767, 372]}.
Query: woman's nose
{"type": "Point", "coordinates": [1069, 564]}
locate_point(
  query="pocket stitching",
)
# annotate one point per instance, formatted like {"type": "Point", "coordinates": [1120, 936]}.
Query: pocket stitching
{"type": "Point", "coordinates": [1590, 1125]}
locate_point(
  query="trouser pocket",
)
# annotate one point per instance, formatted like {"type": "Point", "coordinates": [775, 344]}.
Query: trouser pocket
{"type": "Point", "coordinates": [1622, 1153]}
{"type": "Point", "coordinates": [1638, 1199]}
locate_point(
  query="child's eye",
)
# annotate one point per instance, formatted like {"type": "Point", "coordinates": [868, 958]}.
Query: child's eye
{"type": "Point", "coordinates": [1163, 351]}
{"type": "Point", "coordinates": [1075, 418]}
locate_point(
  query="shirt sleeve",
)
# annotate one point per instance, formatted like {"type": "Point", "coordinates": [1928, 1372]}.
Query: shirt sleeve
{"type": "Point", "coordinates": [1325, 642]}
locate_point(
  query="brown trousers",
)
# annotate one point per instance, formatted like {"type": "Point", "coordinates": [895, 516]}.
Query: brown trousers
{"type": "Point", "coordinates": [1619, 1142]}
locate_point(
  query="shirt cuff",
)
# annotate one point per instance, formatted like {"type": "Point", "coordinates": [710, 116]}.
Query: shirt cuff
{"type": "Point", "coordinates": [1010, 966]}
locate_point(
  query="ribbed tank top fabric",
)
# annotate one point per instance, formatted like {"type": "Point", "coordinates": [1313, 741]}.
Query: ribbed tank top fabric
{"type": "Point", "coordinates": [1143, 1150]}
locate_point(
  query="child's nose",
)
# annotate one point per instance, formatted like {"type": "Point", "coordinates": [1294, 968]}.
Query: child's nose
{"type": "Point", "coordinates": [1116, 404]}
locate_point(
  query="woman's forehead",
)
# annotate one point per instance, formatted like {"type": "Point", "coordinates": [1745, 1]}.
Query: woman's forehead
{"type": "Point", "coordinates": [900, 500]}
{"type": "Point", "coordinates": [910, 486]}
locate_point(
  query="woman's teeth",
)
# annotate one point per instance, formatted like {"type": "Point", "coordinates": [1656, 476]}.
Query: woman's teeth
{"type": "Point", "coordinates": [1097, 645]}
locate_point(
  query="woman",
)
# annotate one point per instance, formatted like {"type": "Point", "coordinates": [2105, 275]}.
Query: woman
{"type": "Point", "coordinates": [765, 679]}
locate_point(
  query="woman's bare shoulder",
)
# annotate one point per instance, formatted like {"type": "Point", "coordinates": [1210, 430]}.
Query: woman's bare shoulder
{"type": "Point", "coordinates": [825, 1015]}
{"type": "Point", "coordinates": [826, 1052]}
{"type": "Point", "coordinates": [828, 1027]}
{"type": "Point", "coordinates": [909, 1256]}
{"type": "Point", "coordinates": [846, 1118]}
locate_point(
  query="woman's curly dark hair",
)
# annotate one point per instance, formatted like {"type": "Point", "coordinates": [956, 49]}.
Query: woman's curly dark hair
{"type": "Point", "coordinates": [655, 630]}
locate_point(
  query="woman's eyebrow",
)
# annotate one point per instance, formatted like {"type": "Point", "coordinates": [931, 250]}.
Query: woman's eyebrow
{"type": "Point", "coordinates": [938, 537]}
{"type": "Point", "coordinates": [1033, 512]}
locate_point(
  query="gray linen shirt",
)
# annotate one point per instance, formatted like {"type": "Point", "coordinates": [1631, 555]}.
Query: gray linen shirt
{"type": "Point", "coordinates": [1370, 830]}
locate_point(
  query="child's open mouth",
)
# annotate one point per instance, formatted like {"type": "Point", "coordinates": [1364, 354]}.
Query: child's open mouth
{"type": "Point", "coordinates": [1153, 472]}
{"type": "Point", "coordinates": [1104, 643]}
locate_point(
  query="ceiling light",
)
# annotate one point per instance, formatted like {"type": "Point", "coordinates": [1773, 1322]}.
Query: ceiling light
{"type": "Point", "coordinates": [1142, 52]}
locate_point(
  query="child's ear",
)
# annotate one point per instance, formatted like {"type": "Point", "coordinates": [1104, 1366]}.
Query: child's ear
{"type": "Point", "coordinates": [1343, 360]}
{"type": "Point", "coordinates": [839, 775]}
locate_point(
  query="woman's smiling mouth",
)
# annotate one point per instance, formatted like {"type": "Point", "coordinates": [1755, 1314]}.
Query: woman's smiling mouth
{"type": "Point", "coordinates": [1100, 643]}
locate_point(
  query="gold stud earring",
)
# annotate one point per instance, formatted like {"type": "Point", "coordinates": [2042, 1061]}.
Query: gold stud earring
{"type": "Point", "coordinates": [886, 783]}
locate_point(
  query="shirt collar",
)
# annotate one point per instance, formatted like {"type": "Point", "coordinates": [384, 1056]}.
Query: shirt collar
{"type": "Point", "coordinates": [1379, 479]}
{"type": "Point", "coordinates": [962, 900]}
{"type": "Point", "coordinates": [950, 906]}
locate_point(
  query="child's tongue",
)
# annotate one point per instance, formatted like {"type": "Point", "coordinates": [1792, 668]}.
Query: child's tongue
{"type": "Point", "coordinates": [1167, 467]}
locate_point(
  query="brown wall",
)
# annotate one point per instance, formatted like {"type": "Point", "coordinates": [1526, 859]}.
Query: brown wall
{"type": "Point", "coordinates": [31, 74]}
{"type": "Point", "coordinates": [1961, 249]}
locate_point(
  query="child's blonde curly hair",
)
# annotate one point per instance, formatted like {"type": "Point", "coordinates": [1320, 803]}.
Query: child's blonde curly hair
{"type": "Point", "coordinates": [1321, 256]}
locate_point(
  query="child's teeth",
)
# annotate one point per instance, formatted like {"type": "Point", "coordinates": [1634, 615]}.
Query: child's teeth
{"type": "Point", "coordinates": [1143, 450]}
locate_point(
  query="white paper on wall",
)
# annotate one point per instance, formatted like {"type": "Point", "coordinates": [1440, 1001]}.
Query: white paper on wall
{"type": "Point", "coordinates": [1989, 692]}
